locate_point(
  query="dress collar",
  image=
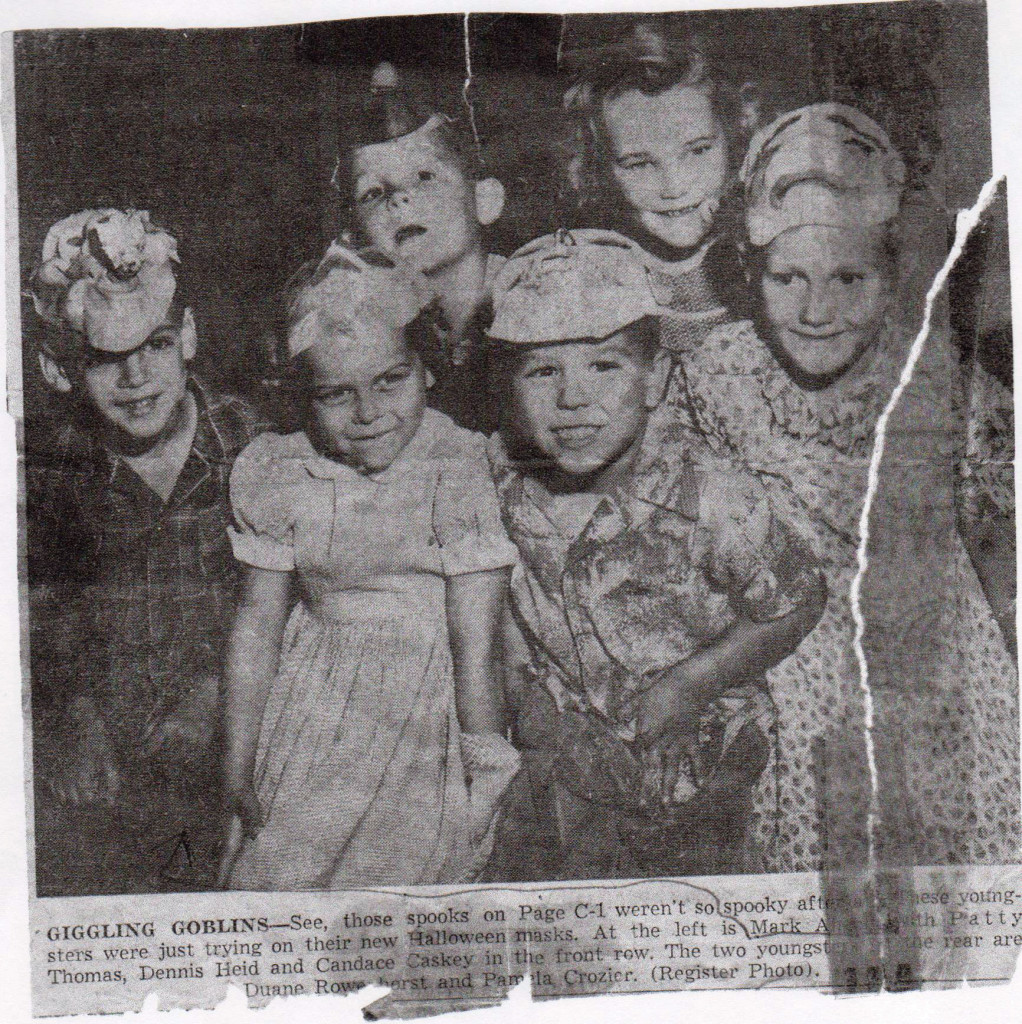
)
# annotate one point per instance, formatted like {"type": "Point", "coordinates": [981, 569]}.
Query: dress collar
{"type": "Point", "coordinates": [843, 414]}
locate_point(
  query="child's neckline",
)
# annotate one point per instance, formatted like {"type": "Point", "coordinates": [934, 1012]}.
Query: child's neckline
{"type": "Point", "coordinates": [682, 266]}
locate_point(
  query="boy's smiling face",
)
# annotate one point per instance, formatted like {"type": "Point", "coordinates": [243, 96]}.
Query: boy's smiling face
{"type": "Point", "coordinates": [583, 405]}
{"type": "Point", "coordinates": [414, 203]}
{"type": "Point", "coordinates": [826, 293]}
{"type": "Point", "coordinates": [140, 394]}
{"type": "Point", "coordinates": [669, 158]}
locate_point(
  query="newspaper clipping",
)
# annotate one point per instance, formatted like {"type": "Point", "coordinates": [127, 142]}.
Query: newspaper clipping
{"type": "Point", "coordinates": [514, 498]}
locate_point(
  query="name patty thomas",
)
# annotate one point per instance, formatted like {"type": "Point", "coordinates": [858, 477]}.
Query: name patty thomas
{"type": "Point", "coordinates": [240, 960]}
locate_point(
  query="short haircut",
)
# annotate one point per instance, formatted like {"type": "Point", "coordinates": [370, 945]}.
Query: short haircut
{"type": "Point", "coordinates": [390, 114]}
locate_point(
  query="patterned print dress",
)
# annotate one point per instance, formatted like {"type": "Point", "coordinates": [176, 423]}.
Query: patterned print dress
{"type": "Point", "coordinates": [940, 675]}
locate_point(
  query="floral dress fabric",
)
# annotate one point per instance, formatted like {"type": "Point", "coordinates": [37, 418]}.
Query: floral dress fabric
{"type": "Point", "coordinates": [359, 771]}
{"type": "Point", "coordinates": [941, 678]}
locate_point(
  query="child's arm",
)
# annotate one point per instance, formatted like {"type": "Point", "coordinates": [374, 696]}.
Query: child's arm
{"type": "Point", "coordinates": [991, 546]}
{"type": "Point", "coordinates": [475, 606]}
{"type": "Point", "coordinates": [253, 656]}
{"type": "Point", "coordinates": [743, 653]}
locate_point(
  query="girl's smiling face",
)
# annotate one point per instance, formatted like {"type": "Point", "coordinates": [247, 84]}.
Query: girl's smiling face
{"type": "Point", "coordinates": [669, 158]}
{"type": "Point", "coordinates": [368, 397]}
{"type": "Point", "coordinates": [826, 293]}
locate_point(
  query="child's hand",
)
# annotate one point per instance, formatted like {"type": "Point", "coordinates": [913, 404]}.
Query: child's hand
{"type": "Point", "coordinates": [91, 778]}
{"type": "Point", "coordinates": [181, 737]}
{"type": "Point", "coordinates": [243, 804]}
{"type": "Point", "coordinates": [668, 706]}
{"type": "Point", "coordinates": [187, 733]}
{"type": "Point", "coordinates": [245, 821]}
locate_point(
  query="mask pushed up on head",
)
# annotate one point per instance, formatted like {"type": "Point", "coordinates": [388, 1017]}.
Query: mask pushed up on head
{"type": "Point", "coordinates": [107, 275]}
{"type": "Point", "coordinates": [351, 292]}
{"type": "Point", "coordinates": [571, 285]}
{"type": "Point", "coordinates": [823, 188]}
{"type": "Point", "coordinates": [827, 164]}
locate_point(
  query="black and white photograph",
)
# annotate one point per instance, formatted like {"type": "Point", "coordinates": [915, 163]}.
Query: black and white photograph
{"type": "Point", "coordinates": [467, 452]}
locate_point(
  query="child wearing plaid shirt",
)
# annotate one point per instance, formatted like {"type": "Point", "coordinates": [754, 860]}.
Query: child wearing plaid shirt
{"type": "Point", "coordinates": [131, 575]}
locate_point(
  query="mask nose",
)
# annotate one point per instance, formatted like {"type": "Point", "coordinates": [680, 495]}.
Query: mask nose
{"type": "Point", "coordinates": [134, 370]}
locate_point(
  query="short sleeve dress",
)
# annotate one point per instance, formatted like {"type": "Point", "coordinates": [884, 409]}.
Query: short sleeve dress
{"type": "Point", "coordinates": [943, 684]}
{"type": "Point", "coordinates": [358, 768]}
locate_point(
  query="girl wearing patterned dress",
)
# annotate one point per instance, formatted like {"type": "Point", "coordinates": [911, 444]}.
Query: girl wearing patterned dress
{"type": "Point", "coordinates": [364, 733]}
{"type": "Point", "coordinates": [823, 187]}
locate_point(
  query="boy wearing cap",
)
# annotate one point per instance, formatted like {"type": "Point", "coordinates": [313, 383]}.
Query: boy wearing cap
{"type": "Point", "coordinates": [130, 569]}
{"type": "Point", "coordinates": [656, 586]}
{"type": "Point", "coordinates": [419, 195]}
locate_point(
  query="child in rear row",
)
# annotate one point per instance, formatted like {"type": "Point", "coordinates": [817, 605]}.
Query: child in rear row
{"type": "Point", "coordinates": [663, 132]}
{"type": "Point", "coordinates": [656, 587]}
{"type": "Point", "coordinates": [365, 740]}
{"type": "Point", "coordinates": [419, 194]}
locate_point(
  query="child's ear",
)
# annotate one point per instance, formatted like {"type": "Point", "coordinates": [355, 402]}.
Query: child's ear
{"type": "Point", "coordinates": [189, 335]}
{"type": "Point", "coordinates": [430, 379]}
{"type": "Point", "coordinates": [656, 386]}
{"type": "Point", "coordinates": [54, 373]}
{"type": "Point", "coordinates": [489, 200]}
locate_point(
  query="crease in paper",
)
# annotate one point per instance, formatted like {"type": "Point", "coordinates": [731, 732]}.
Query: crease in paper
{"type": "Point", "coordinates": [467, 86]}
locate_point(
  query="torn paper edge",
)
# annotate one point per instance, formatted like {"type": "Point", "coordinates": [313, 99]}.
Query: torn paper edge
{"type": "Point", "coordinates": [965, 222]}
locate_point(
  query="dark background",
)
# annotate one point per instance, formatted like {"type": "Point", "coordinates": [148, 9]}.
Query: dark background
{"type": "Point", "coordinates": [229, 137]}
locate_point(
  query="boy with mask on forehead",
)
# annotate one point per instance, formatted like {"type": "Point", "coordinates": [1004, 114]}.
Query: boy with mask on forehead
{"type": "Point", "coordinates": [655, 588]}
{"type": "Point", "coordinates": [131, 574]}
{"type": "Point", "coordinates": [418, 193]}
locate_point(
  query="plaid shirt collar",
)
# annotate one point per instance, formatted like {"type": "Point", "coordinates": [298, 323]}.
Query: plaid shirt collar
{"type": "Point", "coordinates": [110, 471]}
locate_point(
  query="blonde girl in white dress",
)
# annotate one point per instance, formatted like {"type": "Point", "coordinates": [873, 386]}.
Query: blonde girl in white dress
{"type": "Point", "coordinates": [365, 737]}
